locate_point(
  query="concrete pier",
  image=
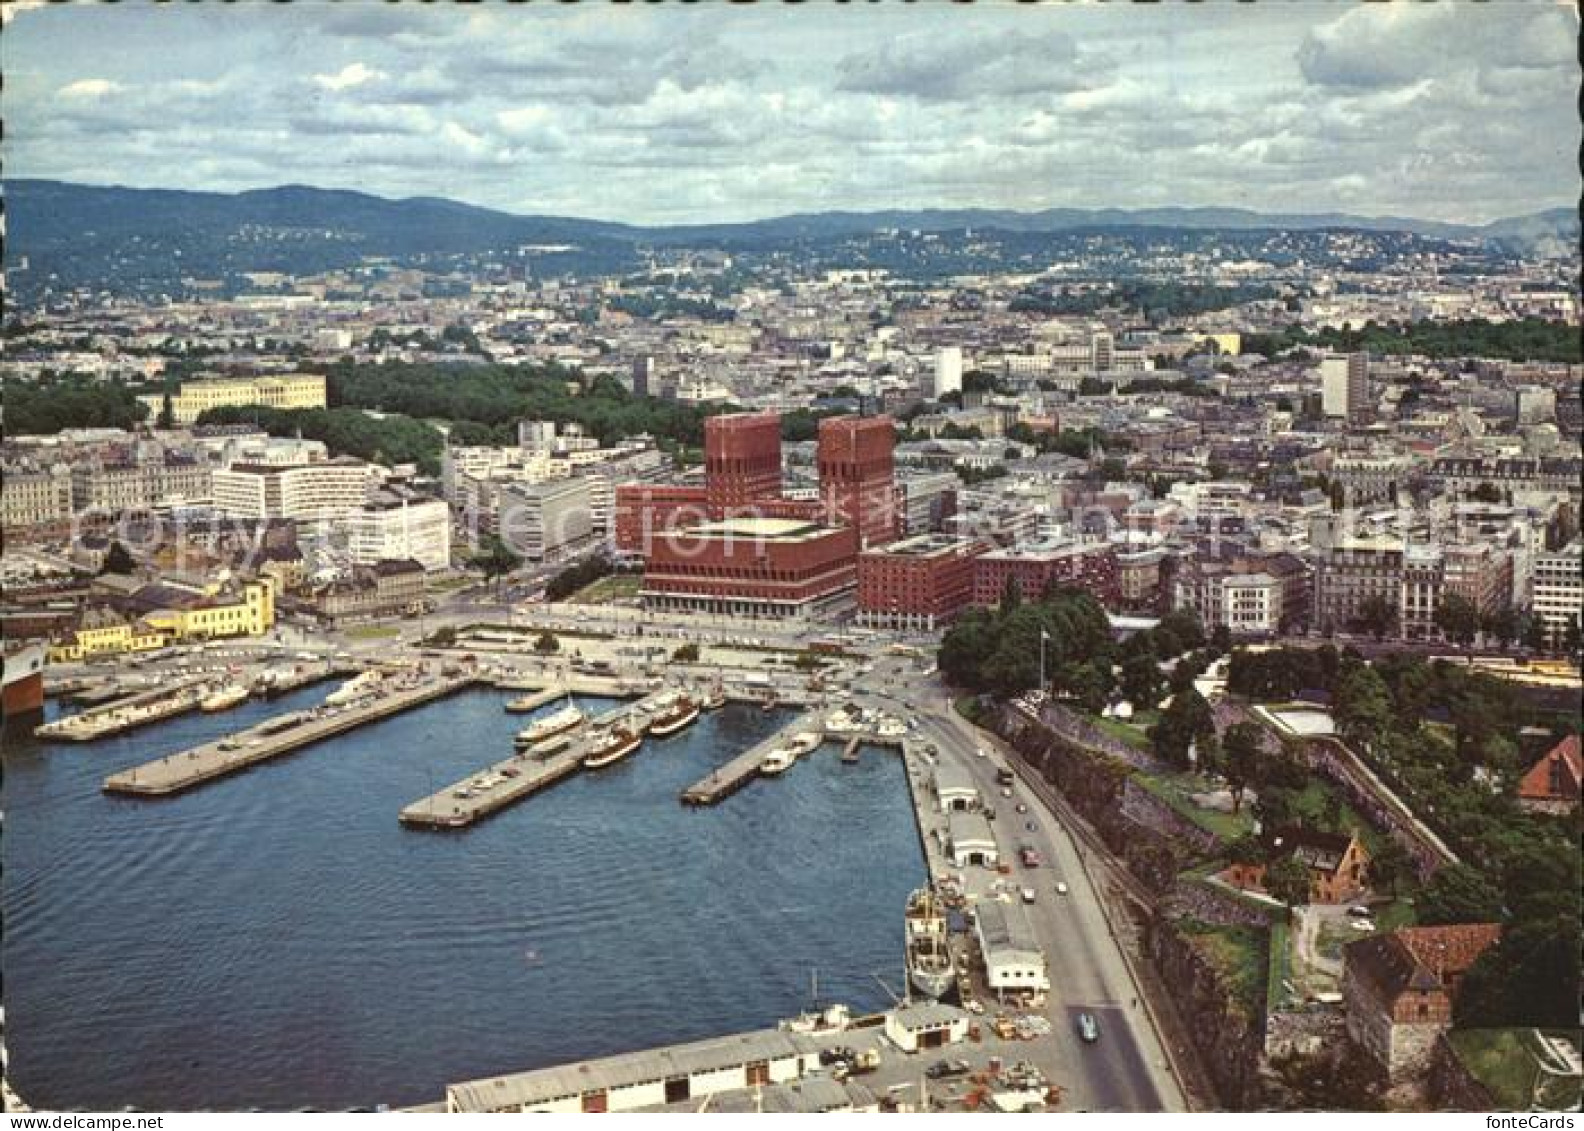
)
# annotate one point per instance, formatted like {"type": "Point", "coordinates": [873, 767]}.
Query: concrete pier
{"type": "Point", "coordinates": [533, 700]}
{"type": "Point", "coordinates": [304, 675]}
{"type": "Point", "coordinates": [522, 775]}
{"type": "Point", "coordinates": [129, 713]}
{"type": "Point", "coordinates": [728, 779]}
{"type": "Point", "coordinates": [272, 738]}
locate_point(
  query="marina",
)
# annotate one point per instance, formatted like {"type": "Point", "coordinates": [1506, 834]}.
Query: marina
{"type": "Point", "coordinates": [184, 770]}
{"type": "Point", "coordinates": [525, 773]}
{"type": "Point", "coordinates": [525, 923]}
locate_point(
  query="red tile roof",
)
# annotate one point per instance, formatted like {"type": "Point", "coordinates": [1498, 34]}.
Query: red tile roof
{"type": "Point", "coordinates": [1556, 776]}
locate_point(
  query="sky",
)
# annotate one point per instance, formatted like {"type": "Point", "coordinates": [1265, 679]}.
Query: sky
{"type": "Point", "coordinates": [722, 112]}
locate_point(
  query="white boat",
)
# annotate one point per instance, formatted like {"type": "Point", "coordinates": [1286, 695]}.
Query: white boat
{"type": "Point", "coordinates": [548, 726]}
{"type": "Point", "coordinates": [620, 743]}
{"type": "Point", "coordinates": [929, 960]}
{"type": "Point", "coordinates": [673, 719]}
{"type": "Point", "coordinates": [778, 761]}
{"type": "Point", "coordinates": [224, 698]}
{"type": "Point", "coordinates": [714, 701]}
{"type": "Point", "coordinates": [841, 723]}
{"type": "Point", "coordinates": [354, 688]}
{"type": "Point", "coordinates": [804, 741]}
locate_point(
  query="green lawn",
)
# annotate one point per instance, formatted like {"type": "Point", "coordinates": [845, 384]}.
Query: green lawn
{"type": "Point", "coordinates": [1134, 732]}
{"type": "Point", "coordinates": [372, 632]}
{"type": "Point", "coordinates": [605, 590]}
{"type": "Point", "coordinates": [1239, 955]}
{"type": "Point", "coordinates": [1279, 968]}
{"type": "Point", "coordinates": [1177, 791]}
{"type": "Point", "coordinates": [1504, 1061]}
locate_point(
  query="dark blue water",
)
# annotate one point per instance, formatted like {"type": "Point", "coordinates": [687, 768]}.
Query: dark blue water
{"type": "Point", "coordinates": [277, 939]}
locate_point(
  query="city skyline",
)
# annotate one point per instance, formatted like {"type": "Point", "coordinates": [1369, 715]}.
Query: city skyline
{"type": "Point", "coordinates": [1447, 113]}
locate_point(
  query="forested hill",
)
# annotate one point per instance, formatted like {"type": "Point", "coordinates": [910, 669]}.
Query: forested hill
{"type": "Point", "coordinates": [148, 241]}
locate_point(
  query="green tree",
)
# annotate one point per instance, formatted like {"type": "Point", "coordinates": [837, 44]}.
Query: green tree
{"type": "Point", "coordinates": [1529, 978]}
{"type": "Point", "coordinates": [1142, 683]}
{"type": "Point", "coordinates": [1377, 616]}
{"type": "Point", "coordinates": [1458, 893]}
{"type": "Point", "coordinates": [1241, 747]}
{"type": "Point", "coordinates": [496, 559]}
{"type": "Point", "coordinates": [1391, 867]}
{"type": "Point", "coordinates": [1287, 880]}
{"type": "Point", "coordinates": [807, 662]}
{"type": "Point", "coordinates": [1184, 721]}
{"type": "Point", "coordinates": [686, 654]}
{"type": "Point", "coordinates": [1486, 493]}
{"type": "Point", "coordinates": [547, 644]}
{"type": "Point", "coordinates": [1458, 618]}
{"type": "Point", "coordinates": [1089, 683]}
{"type": "Point", "coordinates": [1362, 706]}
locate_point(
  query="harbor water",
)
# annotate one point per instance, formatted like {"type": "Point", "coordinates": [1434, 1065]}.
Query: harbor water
{"type": "Point", "coordinates": [277, 940]}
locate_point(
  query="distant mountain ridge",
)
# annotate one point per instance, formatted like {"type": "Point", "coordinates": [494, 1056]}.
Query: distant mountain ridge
{"type": "Point", "coordinates": [106, 235]}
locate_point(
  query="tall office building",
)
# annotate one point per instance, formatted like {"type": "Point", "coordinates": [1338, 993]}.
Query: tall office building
{"type": "Point", "coordinates": [948, 371]}
{"type": "Point", "coordinates": [643, 372]}
{"type": "Point", "coordinates": [742, 459]}
{"type": "Point", "coordinates": [1344, 387]}
{"type": "Point", "coordinates": [857, 474]}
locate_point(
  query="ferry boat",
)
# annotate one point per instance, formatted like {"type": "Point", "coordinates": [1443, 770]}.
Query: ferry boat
{"type": "Point", "coordinates": [617, 745]}
{"type": "Point", "coordinates": [567, 718]}
{"type": "Point", "coordinates": [929, 962]}
{"type": "Point", "coordinates": [354, 688]}
{"type": "Point", "coordinates": [224, 698]}
{"type": "Point", "coordinates": [673, 718]}
{"type": "Point", "coordinates": [778, 761]}
{"type": "Point", "coordinates": [23, 680]}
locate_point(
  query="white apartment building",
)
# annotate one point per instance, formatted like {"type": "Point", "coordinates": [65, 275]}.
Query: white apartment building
{"type": "Point", "coordinates": [948, 371]}
{"type": "Point", "coordinates": [1344, 386]}
{"type": "Point", "coordinates": [36, 498]}
{"type": "Point", "coordinates": [1557, 589]}
{"type": "Point", "coordinates": [393, 528]}
{"type": "Point", "coordinates": [547, 521]}
{"type": "Point", "coordinates": [304, 493]}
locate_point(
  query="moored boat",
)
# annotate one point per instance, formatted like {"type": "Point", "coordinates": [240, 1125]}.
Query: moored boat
{"type": "Point", "coordinates": [613, 748]}
{"type": "Point", "coordinates": [929, 961]}
{"type": "Point", "coordinates": [778, 761]}
{"type": "Point", "coordinates": [224, 698]}
{"type": "Point", "coordinates": [557, 722]}
{"type": "Point", "coordinates": [23, 680]}
{"type": "Point", "coordinates": [354, 688]}
{"type": "Point", "coordinates": [673, 718]}
{"type": "Point", "coordinates": [804, 741]}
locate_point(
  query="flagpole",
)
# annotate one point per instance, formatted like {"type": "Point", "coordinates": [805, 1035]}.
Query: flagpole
{"type": "Point", "coordinates": [1044, 636]}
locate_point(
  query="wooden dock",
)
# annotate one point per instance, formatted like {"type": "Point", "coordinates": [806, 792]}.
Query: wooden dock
{"type": "Point", "coordinates": [272, 738]}
{"type": "Point", "coordinates": [129, 713]}
{"type": "Point", "coordinates": [728, 779]}
{"type": "Point", "coordinates": [522, 775]}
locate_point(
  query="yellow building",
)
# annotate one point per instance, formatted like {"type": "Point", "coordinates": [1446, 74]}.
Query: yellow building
{"type": "Point", "coordinates": [250, 612]}
{"type": "Point", "coordinates": [1229, 344]}
{"type": "Point", "coordinates": [286, 390]}
{"type": "Point", "coordinates": [104, 632]}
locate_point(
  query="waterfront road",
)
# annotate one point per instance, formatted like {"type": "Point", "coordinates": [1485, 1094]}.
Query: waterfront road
{"type": "Point", "coordinates": [1127, 1068]}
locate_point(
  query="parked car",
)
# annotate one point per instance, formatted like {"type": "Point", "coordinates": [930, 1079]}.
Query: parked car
{"type": "Point", "coordinates": [1088, 1028]}
{"type": "Point", "coordinates": [1061, 887]}
{"type": "Point", "coordinates": [943, 1069]}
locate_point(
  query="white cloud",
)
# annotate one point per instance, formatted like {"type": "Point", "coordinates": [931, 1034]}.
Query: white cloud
{"type": "Point", "coordinates": [89, 88]}
{"type": "Point", "coordinates": [349, 76]}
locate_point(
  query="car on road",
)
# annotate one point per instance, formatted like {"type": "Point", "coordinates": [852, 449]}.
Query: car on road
{"type": "Point", "coordinates": [1022, 808]}
{"type": "Point", "coordinates": [943, 1069]}
{"type": "Point", "coordinates": [1028, 895]}
{"type": "Point", "coordinates": [1361, 925]}
{"type": "Point", "coordinates": [1088, 1028]}
{"type": "Point", "coordinates": [1359, 911]}
{"type": "Point", "coordinates": [981, 752]}
{"type": "Point", "coordinates": [1061, 887]}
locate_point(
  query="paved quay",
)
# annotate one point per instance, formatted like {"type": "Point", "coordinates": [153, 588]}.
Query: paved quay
{"type": "Point", "coordinates": [524, 774]}
{"type": "Point", "coordinates": [128, 713]}
{"type": "Point", "coordinates": [274, 737]}
{"type": "Point", "coordinates": [726, 780]}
